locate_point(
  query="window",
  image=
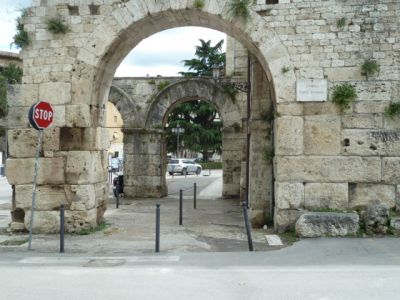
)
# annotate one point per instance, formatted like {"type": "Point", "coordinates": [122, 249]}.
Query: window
{"type": "Point", "coordinates": [115, 118]}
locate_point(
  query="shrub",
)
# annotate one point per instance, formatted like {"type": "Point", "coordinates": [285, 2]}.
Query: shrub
{"type": "Point", "coordinates": [3, 97]}
{"type": "Point", "coordinates": [162, 85]}
{"type": "Point", "coordinates": [239, 8]}
{"type": "Point", "coordinates": [56, 25]}
{"type": "Point", "coordinates": [341, 23]}
{"type": "Point", "coordinates": [393, 110]}
{"type": "Point", "coordinates": [199, 4]}
{"type": "Point", "coordinates": [370, 67]}
{"type": "Point", "coordinates": [343, 95]}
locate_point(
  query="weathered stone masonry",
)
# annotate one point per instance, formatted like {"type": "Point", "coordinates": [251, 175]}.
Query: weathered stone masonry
{"type": "Point", "coordinates": [322, 158]}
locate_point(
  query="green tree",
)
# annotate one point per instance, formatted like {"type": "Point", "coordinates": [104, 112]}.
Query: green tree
{"type": "Point", "coordinates": [202, 128]}
{"type": "Point", "coordinates": [206, 56]}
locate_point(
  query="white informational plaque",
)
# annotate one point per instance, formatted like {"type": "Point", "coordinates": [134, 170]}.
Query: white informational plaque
{"type": "Point", "coordinates": [312, 90]}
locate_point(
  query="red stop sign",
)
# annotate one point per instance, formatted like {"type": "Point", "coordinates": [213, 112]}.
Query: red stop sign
{"type": "Point", "coordinates": [41, 115]}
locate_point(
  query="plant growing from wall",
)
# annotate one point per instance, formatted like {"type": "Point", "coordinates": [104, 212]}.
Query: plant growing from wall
{"type": "Point", "coordinates": [21, 39]}
{"type": "Point", "coordinates": [393, 110]}
{"type": "Point", "coordinates": [240, 9]}
{"type": "Point", "coordinates": [230, 90]}
{"type": "Point", "coordinates": [3, 96]}
{"type": "Point", "coordinates": [268, 155]}
{"type": "Point", "coordinates": [199, 4]}
{"type": "Point", "coordinates": [369, 67]}
{"type": "Point", "coordinates": [162, 85]}
{"type": "Point", "coordinates": [284, 70]}
{"type": "Point", "coordinates": [343, 95]}
{"type": "Point", "coordinates": [341, 23]}
{"type": "Point", "coordinates": [57, 26]}
{"type": "Point", "coordinates": [152, 81]}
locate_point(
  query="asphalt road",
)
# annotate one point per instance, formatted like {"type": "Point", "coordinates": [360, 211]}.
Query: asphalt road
{"type": "Point", "coordinates": [346, 268]}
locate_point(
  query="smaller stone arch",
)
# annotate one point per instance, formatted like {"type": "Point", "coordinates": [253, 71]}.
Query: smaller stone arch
{"type": "Point", "coordinates": [192, 89]}
{"type": "Point", "coordinates": [124, 104]}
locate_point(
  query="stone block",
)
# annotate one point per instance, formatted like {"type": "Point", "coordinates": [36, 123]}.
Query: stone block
{"type": "Point", "coordinates": [362, 121]}
{"type": "Point", "coordinates": [22, 94]}
{"type": "Point", "coordinates": [17, 117]}
{"type": "Point", "coordinates": [328, 169]}
{"type": "Point", "coordinates": [78, 116]}
{"type": "Point", "coordinates": [370, 107]}
{"type": "Point", "coordinates": [84, 167]}
{"type": "Point", "coordinates": [22, 142]}
{"type": "Point", "coordinates": [364, 194]}
{"type": "Point", "coordinates": [370, 142]}
{"type": "Point", "coordinates": [285, 219]}
{"type": "Point", "coordinates": [322, 135]}
{"type": "Point", "coordinates": [47, 197]}
{"type": "Point", "coordinates": [343, 74]}
{"type": "Point", "coordinates": [83, 139]}
{"type": "Point", "coordinates": [76, 221]}
{"type": "Point", "coordinates": [43, 221]}
{"type": "Point", "coordinates": [20, 171]}
{"type": "Point", "coordinates": [289, 136]}
{"type": "Point", "coordinates": [376, 219]}
{"type": "Point", "coordinates": [391, 170]}
{"type": "Point", "coordinates": [395, 224]}
{"type": "Point", "coordinates": [51, 139]}
{"type": "Point", "coordinates": [289, 195]}
{"type": "Point", "coordinates": [290, 109]}
{"type": "Point", "coordinates": [326, 195]}
{"type": "Point", "coordinates": [55, 92]}
{"type": "Point", "coordinates": [392, 123]}
{"type": "Point", "coordinates": [317, 224]}
{"type": "Point", "coordinates": [324, 108]}
{"type": "Point", "coordinates": [257, 218]}
{"type": "Point", "coordinates": [81, 197]}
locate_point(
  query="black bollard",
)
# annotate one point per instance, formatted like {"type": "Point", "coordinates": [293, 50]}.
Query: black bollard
{"type": "Point", "coordinates": [117, 197]}
{"type": "Point", "coordinates": [157, 227]}
{"type": "Point", "coordinates": [194, 195]}
{"type": "Point", "coordinates": [180, 206]}
{"type": "Point", "coordinates": [62, 229]}
{"type": "Point", "coordinates": [248, 228]}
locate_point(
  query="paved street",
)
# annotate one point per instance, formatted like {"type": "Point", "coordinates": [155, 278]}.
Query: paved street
{"type": "Point", "coordinates": [345, 268]}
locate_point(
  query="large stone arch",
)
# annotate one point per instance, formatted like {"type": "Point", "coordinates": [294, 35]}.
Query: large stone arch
{"type": "Point", "coordinates": [77, 81]}
{"type": "Point", "coordinates": [193, 89]}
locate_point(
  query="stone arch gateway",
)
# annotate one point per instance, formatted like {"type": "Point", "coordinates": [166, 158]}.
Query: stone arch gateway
{"type": "Point", "coordinates": [322, 158]}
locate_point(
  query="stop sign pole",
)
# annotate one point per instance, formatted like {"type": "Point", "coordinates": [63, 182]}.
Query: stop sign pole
{"type": "Point", "coordinates": [40, 116]}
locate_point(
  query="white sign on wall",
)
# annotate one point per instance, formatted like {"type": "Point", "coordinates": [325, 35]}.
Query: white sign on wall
{"type": "Point", "coordinates": [312, 90]}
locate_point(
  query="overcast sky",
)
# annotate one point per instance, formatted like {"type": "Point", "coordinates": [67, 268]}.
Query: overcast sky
{"type": "Point", "coordinates": [159, 54]}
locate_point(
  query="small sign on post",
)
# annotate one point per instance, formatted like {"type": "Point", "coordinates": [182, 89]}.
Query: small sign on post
{"type": "Point", "coordinates": [40, 116]}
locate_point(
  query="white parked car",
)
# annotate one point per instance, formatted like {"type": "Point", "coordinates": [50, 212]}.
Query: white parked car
{"type": "Point", "coordinates": [183, 166]}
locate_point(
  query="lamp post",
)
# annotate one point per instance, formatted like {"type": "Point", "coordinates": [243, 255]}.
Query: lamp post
{"type": "Point", "coordinates": [178, 131]}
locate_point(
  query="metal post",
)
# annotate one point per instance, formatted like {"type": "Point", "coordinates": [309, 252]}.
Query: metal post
{"type": "Point", "coordinates": [180, 206]}
{"type": "Point", "coordinates": [62, 229]}
{"type": "Point", "coordinates": [117, 191]}
{"type": "Point", "coordinates": [37, 166]}
{"type": "Point", "coordinates": [177, 144]}
{"type": "Point", "coordinates": [195, 195]}
{"type": "Point", "coordinates": [157, 227]}
{"type": "Point", "coordinates": [248, 136]}
{"type": "Point", "coordinates": [248, 228]}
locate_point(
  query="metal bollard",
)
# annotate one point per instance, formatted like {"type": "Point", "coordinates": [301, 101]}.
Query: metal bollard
{"type": "Point", "coordinates": [180, 206]}
{"type": "Point", "coordinates": [195, 195]}
{"type": "Point", "coordinates": [248, 228]}
{"type": "Point", "coordinates": [157, 227]}
{"type": "Point", "coordinates": [62, 229]}
{"type": "Point", "coordinates": [117, 197]}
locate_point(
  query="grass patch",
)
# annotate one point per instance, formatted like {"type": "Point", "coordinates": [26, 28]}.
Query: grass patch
{"type": "Point", "coordinates": [341, 23]}
{"type": "Point", "coordinates": [289, 237]}
{"type": "Point", "coordinates": [99, 227]}
{"type": "Point", "coordinates": [212, 165]}
{"type": "Point", "coordinates": [240, 9]}
{"type": "Point", "coordinates": [14, 242]}
{"type": "Point", "coordinates": [369, 67]}
{"type": "Point", "coordinates": [284, 70]}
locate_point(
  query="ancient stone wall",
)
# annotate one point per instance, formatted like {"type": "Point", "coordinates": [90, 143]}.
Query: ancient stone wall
{"type": "Point", "coordinates": [323, 158]}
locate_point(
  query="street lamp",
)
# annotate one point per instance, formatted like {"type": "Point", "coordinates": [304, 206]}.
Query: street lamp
{"type": "Point", "coordinates": [178, 131]}
{"type": "Point", "coordinates": [216, 69]}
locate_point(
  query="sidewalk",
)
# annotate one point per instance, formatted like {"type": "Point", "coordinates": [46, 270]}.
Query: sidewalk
{"type": "Point", "coordinates": [215, 226]}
